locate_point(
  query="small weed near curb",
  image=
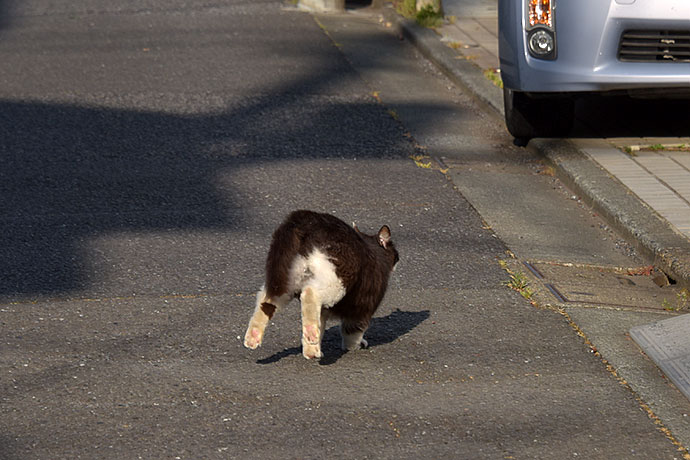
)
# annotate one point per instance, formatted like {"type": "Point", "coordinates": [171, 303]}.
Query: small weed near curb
{"type": "Point", "coordinates": [667, 148]}
{"type": "Point", "coordinates": [630, 151]}
{"type": "Point", "coordinates": [633, 150]}
{"type": "Point", "coordinates": [518, 282]}
{"type": "Point", "coordinates": [429, 16]}
{"type": "Point", "coordinates": [419, 161]}
{"type": "Point", "coordinates": [682, 302]}
{"type": "Point", "coordinates": [494, 75]}
{"type": "Point", "coordinates": [406, 8]}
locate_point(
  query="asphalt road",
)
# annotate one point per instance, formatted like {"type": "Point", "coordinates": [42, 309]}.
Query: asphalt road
{"type": "Point", "coordinates": [148, 151]}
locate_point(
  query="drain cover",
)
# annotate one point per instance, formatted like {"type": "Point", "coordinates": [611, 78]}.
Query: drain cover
{"type": "Point", "coordinates": [600, 286]}
{"type": "Point", "coordinates": [667, 343]}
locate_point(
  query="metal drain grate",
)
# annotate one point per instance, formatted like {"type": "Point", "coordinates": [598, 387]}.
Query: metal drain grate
{"type": "Point", "coordinates": [654, 46]}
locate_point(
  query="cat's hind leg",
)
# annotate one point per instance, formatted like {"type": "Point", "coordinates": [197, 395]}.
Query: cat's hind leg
{"type": "Point", "coordinates": [264, 311]}
{"type": "Point", "coordinates": [325, 316]}
{"type": "Point", "coordinates": [352, 333]}
{"type": "Point", "coordinates": [311, 323]}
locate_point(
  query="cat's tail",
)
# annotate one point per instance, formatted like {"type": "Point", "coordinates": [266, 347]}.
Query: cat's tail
{"type": "Point", "coordinates": [281, 256]}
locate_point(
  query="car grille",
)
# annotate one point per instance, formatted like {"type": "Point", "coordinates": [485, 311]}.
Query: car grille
{"type": "Point", "coordinates": [655, 46]}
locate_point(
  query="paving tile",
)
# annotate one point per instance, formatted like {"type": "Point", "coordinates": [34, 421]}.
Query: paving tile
{"type": "Point", "coordinates": [469, 47]}
{"type": "Point", "coordinates": [666, 343]}
{"type": "Point", "coordinates": [682, 158]}
{"type": "Point", "coordinates": [490, 24]}
{"type": "Point", "coordinates": [452, 33]}
{"type": "Point", "coordinates": [480, 35]}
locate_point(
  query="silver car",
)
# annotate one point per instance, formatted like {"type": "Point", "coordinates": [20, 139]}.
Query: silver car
{"type": "Point", "coordinates": [552, 50]}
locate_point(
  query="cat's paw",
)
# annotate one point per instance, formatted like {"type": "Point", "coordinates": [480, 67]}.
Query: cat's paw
{"type": "Point", "coordinates": [253, 337]}
{"type": "Point", "coordinates": [310, 334]}
{"type": "Point", "coordinates": [355, 346]}
{"type": "Point", "coordinates": [353, 342]}
{"type": "Point", "coordinates": [311, 341]}
{"type": "Point", "coordinates": [311, 351]}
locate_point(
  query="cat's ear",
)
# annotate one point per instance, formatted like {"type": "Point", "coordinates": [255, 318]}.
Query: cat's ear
{"type": "Point", "coordinates": [384, 236]}
{"type": "Point", "coordinates": [354, 226]}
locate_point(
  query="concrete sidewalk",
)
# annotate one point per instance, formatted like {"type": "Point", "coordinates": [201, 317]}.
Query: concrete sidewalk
{"type": "Point", "coordinates": [646, 196]}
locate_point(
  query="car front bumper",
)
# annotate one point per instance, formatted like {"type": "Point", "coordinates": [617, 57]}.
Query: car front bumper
{"type": "Point", "coordinates": [588, 35]}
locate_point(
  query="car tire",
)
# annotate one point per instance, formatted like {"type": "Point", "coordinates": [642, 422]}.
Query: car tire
{"type": "Point", "coordinates": [543, 116]}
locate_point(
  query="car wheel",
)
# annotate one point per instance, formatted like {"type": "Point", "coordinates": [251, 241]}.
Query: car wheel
{"type": "Point", "coordinates": [544, 116]}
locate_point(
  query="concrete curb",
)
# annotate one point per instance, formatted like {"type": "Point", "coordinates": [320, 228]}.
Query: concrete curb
{"type": "Point", "coordinates": [462, 71]}
{"type": "Point", "coordinates": [653, 237]}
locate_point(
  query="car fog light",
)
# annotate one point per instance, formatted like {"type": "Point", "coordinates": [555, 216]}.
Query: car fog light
{"type": "Point", "coordinates": [541, 43]}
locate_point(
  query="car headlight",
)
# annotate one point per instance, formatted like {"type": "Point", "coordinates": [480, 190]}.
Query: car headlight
{"type": "Point", "coordinates": [540, 29]}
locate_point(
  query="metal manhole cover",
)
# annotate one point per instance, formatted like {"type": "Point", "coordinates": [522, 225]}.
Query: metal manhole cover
{"type": "Point", "coordinates": [602, 286]}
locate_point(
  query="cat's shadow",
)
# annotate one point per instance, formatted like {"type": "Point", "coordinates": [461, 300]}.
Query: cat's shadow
{"type": "Point", "coordinates": [381, 331]}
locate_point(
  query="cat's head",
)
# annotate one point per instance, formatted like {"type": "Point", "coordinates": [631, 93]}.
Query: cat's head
{"type": "Point", "coordinates": [383, 238]}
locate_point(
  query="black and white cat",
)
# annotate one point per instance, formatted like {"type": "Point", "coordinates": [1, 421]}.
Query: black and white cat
{"type": "Point", "coordinates": [334, 269]}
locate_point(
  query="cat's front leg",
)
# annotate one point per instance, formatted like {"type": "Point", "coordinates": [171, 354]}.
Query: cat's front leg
{"type": "Point", "coordinates": [311, 324]}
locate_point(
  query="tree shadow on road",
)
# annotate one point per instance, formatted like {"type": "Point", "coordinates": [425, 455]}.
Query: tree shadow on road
{"type": "Point", "coordinates": [382, 331]}
{"type": "Point", "coordinates": [72, 174]}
